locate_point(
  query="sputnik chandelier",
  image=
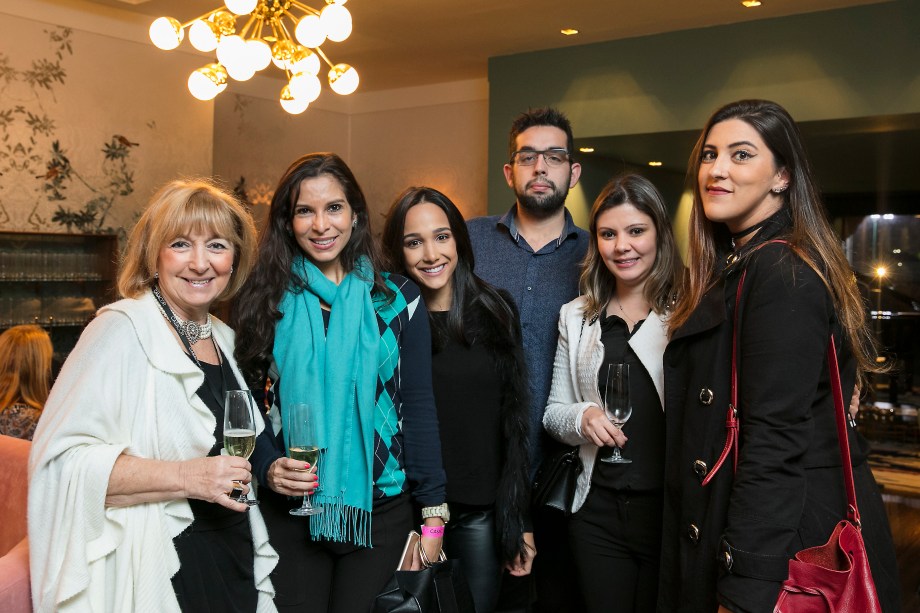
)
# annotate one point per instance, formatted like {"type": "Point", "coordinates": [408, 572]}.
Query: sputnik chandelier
{"type": "Point", "coordinates": [264, 38]}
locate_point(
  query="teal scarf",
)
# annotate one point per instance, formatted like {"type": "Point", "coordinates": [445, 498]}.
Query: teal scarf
{"type": "Point", "coordinates": [338, 380]}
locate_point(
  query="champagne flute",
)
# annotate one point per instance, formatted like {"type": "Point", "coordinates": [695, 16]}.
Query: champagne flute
{"type": "Point", "coordinates": [240, 431]}
{"type": "Point", "coordinates": [617, 405]}
{"type": "Point", "coordinates": [303, 446]}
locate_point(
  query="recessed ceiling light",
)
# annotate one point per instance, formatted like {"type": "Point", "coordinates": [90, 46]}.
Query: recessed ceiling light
{"type": "Point", "coordinates": [750, 3]}
{"type": "Point", "coordinates": [569, 31]}
{"type": "Point", "coordinates": [586, 149]}
{"type": "Point", "coordinates": [654, 163]}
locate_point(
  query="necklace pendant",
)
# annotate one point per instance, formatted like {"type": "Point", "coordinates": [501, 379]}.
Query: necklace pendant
{"type": "Point", "coordinates": [192, 332]}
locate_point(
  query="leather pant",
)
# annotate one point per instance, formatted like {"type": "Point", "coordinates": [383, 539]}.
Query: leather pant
{"type": "Point", "coordinates": [470, 538]}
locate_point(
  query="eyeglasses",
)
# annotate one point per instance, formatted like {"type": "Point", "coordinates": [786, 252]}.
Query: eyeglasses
{"type": "Point", "coordinates": [528, 157]}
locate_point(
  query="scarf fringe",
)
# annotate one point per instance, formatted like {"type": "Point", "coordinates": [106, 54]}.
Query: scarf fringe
{"type": "Point", "coordinates": [340, 523]}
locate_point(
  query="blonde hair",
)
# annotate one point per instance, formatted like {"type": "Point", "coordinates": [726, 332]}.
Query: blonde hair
{"type": "Point", "coordinates": [180, 207]}
{"type": "Point", "coordinates": [25, 366]}
{"type": "Point", "coordinates": [666, 277]}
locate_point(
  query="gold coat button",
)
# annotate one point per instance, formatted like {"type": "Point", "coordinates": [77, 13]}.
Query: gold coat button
{"type": "Point", "coordinates": [694, 533]}
{"type": "Point", "coordinates": [706, 396]}
{"type": "Point", "coordinates": [700, 468]}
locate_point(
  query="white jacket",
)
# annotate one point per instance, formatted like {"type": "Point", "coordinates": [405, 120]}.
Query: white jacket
{"type": "Point", "coordinates": [575, 386]}
{"type": "Point", "coordinates": [128, 388]}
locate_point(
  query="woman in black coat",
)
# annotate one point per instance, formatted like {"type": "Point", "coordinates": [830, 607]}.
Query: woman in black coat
{"type": "Point", "coordinates": [480, 389]}
{"type": "Point", "coordinates": [727, 541]}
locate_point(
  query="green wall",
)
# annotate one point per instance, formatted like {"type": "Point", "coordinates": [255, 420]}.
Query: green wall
{"type": "Point", "coordinates": [855, 62]}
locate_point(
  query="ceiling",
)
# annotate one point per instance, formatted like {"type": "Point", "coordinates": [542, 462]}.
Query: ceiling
{"type": "Point", "coordinates": [404, 43]}
{"type": "Point", "coordinates": [401, 43]}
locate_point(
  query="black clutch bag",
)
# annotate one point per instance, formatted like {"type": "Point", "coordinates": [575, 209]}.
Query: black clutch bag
{"type": "Point", "coordinates": [440, 588]}
{"type": "Point", "coordinates": [554, 485]}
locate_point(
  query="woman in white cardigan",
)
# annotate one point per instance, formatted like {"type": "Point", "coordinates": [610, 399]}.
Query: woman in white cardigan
{"type": "Point", "coordinates": [630, 276]}
{"type": "Point", "coordinates": [128, 499]}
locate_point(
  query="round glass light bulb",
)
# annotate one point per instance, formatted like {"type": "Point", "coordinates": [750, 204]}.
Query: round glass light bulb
{"type": "Point", "coordinates": [232, 52]}
{"type": "Point", "coordinates": [305, 86]}
{"type": "Point", "coordinates": [282, 51]}
{"type": "Point", "coordinates": [241, 72]}
{"type": "Point", "coordinates": [203, 35]}
{"type": "Point", "coordinates": [310, 31]}
{"type": "Point", "coordinates": [166, 33]}
{"type": "Point", "coordinates": [241, 7]}
{"type": "Point", "coordinates": [336, 21]}
{"type": "Point", "coordinates": [292, 105]}
{"type": "Point", "coordinates": [259, 54]}
{"type": "Point", "coordinates": [343, 79]}
{"type": "Point", "coordinates": [305, 60]}
{"type": "Point", "coordinates": [208, 81]}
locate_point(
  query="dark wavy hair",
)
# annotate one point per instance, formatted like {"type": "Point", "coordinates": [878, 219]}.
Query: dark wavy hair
{"type": "Point", "coordinates": [468, 289]}
{"type": "Point", "coordinates": [812, 237]}
{"type": "Point", "coordinates": [666, 277]}
{"type": "Point", "coordinates": [255, 311]}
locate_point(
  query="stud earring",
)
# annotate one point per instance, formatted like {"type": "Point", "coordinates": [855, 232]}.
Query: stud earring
{"type": "Point", "coordinates": [779, 190]}
{"type": "Point", "coordinates": [231, 269]}
{"type": "Point", "coordinates": [156, 275]}
{"type": "Point", "coordinates": [354, 223]}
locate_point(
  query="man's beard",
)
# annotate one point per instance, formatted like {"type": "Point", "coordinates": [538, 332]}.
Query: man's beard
{"type": "Point", "coordinates": [543, 205]}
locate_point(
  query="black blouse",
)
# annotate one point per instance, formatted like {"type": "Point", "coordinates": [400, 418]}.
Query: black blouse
{"type": "Point", "coordinates": [645, 427]}
{"type": "Point", "coordinates": [468, 395]}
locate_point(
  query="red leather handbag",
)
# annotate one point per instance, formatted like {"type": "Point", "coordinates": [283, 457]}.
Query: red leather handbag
{"type": "Point", "coordinates": [833, 577]}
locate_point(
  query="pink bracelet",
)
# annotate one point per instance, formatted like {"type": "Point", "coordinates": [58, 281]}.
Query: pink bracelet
{"type": "Point", "coordinates": [433, 531]}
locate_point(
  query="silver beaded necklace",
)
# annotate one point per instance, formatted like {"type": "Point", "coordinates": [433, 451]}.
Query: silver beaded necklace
{"type": "Point", "coordinates": [191, 330]}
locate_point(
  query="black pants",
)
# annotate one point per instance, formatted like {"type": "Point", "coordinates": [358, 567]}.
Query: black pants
{"type": "Point", "coordinates": [616, 540]}
{"type": "Point", "coordinates": [325, 577]}
{"type": "Point", "coordinates": [470, 538]}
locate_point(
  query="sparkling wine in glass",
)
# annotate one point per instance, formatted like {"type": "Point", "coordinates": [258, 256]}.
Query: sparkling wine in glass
{"type": "Point", "coordinates": [303, 446]}
{"type": "Point", "coordinates": [617, 405]}
{"type": "Point", "coordinates": [240, 431]}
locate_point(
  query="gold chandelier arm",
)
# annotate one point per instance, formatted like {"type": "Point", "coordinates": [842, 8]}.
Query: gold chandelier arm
{"type": "Point", "coordinates": [303, 7]}
{"type": "Point", "coordinates": [202, 17]}
{"type": "Point", "coordinates": [323, 55]}
{"type": "Point", "coordinates": [245, 29]}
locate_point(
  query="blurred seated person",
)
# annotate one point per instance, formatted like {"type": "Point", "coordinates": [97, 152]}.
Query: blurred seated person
{"type": "Point", "coordinates": [25, 375]}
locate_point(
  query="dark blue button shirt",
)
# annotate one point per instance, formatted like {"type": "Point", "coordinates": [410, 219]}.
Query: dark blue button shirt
{"type": "Point", "coordinates": [540, 282]}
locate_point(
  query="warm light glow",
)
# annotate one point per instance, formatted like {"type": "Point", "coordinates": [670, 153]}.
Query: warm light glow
{"type": "Point", "coordinates": [336, 21]}
{"type": "Point", "coordinates": [586, 149]}
{"type": "Point", "coordinates": [569, 31]}
{"type": "Point", "coordinates": [305, 86]}
{"type": "Point", "coordinates": [654, 163]}
{"type": "Point", "coordinates": [249, 35]}
{"type": "Point", "coordinates": [310, 32]}
{"type": "Point", "coordinates": [208, 81]}
{"type": "Point", "coordinates": [203, 35]}
{"type": "Point", "coordinates": [166, 33]}
{"type": "Point", "coordinates": [881, 271]}
{"type": "Point", "coordinates": [241, 7]}
{"type": "Point", "coordinates": [750, 3]}
{"type": "Point", "coordinates": [343, 79]}
{"type": "Point", "coordinates": [291, 104]}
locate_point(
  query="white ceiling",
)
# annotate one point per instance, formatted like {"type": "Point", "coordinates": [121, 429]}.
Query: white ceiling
{"type": "Point", "coordinates": [401, 43]}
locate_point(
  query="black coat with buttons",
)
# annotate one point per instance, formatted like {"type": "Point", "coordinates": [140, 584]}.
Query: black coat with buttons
{"type": "Point", "coordinates": [787, 492]}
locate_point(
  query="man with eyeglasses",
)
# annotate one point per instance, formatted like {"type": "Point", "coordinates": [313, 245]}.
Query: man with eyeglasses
{"type": "Point", "coordinates": [534, 251]}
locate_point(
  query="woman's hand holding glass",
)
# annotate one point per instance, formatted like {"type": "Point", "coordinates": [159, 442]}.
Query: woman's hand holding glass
{"type": "Point", "coordinates": [210, 479]}
{"type": "Point", "coordinates": [597, 428]}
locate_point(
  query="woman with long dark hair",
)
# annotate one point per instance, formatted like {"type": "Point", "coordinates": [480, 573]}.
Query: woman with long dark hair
{"type": "Point", "coordinates": [757, 211]}
{"type": "Point", "coordinates": [480, 390]}
{"type": "Point", "coordinates": [629, 278]}
{"type": "Point", "coordinates": [323, 324]}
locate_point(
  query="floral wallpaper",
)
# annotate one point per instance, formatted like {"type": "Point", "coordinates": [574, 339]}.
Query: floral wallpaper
{"type": "Point", "coordinates": [90, 126]}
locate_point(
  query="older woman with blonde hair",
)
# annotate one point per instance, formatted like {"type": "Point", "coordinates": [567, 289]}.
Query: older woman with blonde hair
{"type": "Point", "coordinates": [128, 502]}
{"type": "Point", "coordinates": [25, 374]}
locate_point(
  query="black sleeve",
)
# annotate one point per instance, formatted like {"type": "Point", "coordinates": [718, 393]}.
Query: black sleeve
{"type": "Point", "coordinates": [421, 440]}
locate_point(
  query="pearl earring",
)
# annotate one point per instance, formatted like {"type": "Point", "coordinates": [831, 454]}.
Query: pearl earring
{"type": "Point", "coordinates": [354, 223]}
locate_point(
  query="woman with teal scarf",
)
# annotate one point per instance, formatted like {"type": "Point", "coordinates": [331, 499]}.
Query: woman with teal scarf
{"type": "Point", "coordinates": [319, 323]}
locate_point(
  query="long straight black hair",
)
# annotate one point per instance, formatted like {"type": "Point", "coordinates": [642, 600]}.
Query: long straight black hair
{"type": "Point", "coordinates": [468, 289]}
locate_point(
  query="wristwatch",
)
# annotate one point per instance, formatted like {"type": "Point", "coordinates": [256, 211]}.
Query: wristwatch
{"type": "Point", "coordinates": [440, 510]}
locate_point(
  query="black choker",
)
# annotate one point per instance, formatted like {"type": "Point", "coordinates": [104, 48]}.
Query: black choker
{"type": "Point", "coordinates": [746, 231]}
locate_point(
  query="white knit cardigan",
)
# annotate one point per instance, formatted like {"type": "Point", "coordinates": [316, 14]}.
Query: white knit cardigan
{"type": "Point", "coordinates": [127, 387]}
{"type": "Point", "coordinates": [575, 387]}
